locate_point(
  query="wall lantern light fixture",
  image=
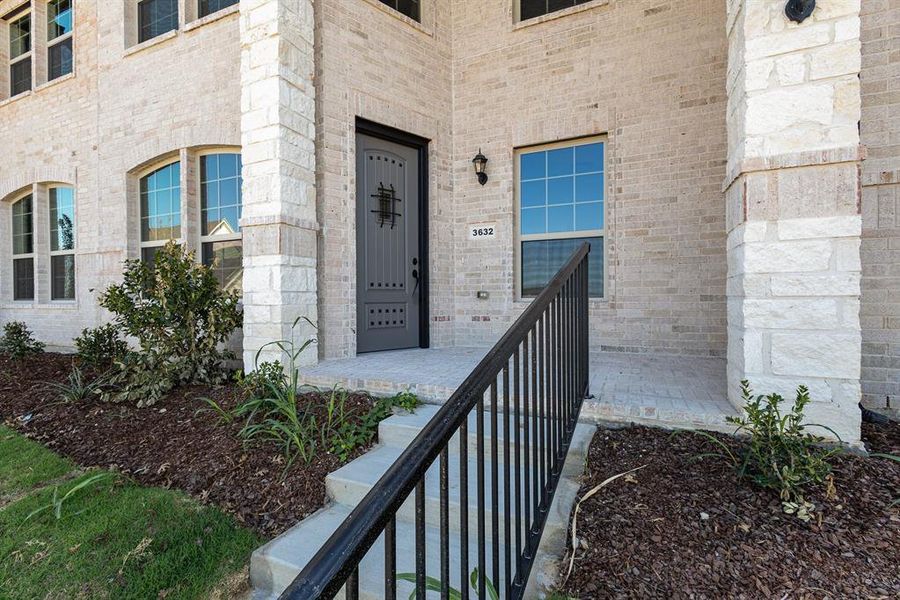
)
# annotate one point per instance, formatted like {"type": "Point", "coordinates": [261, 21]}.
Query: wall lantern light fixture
{"type": "Point", "coordinates": [799, 10]}
{"type": "Point", "coordinates": [480, 161]}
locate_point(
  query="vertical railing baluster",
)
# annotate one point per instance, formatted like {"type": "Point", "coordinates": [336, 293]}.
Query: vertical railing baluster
{"type": "Point", "coordinates": [558, 374]}
{"type": "Point", "coordinates": [548, 395]}
{"type": "Point", "coordinates": [351, 592]}
{"type": "Point", "coordinates": [527, 392]}
{"type": "Point", "coordinates": [479, 443]}
{"type": "Point", "coordinates": [420, 539]}
{"type": "Point", "coordinates": [517, 465]}
{"type": "Point", "coordinates": [543, 383]}
{"type": "Point", "coordinates": [445, 523]}
{"type": "Point", "coordinates": [390, 559]}
{"type": "Point", "coordinates": [464, 508]}
{"type": "Point", "coordinates": [495, 490]}
{"type": "Point", "coordinates": [507, 487]}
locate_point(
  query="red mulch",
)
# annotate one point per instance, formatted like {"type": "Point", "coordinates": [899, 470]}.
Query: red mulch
{"type": "Point", "coordinates": [687, 529]}
{"type": "Point", "coordinates": [178, 443]}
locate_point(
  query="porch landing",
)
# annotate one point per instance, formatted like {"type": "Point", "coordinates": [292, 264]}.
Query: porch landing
{"type": "Point", "coordinates": [669, 391]}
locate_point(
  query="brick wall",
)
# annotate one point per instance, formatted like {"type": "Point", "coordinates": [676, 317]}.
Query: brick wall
{"type": "Point", "coordinates": [122, 109]}
{"type": "Point", "coordinates": [880, 132]}
{"type": "Point", "coordinates": [651, 76]}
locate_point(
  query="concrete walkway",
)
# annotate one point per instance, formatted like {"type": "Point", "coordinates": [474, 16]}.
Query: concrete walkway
{"type": "Point", "coordinates": [669, 391]}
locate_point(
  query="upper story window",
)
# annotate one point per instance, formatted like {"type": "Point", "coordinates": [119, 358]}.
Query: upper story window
{"type": "Point", "coordinates": [59, 38]}
{"type": "Point", "coordinates": [20, 54]}
{"type": "Point", "coordinates": [208, 7]}
{"type": "Point", "coordinates": [156, 17]}
{"type": "Point", "coordinates": [62, 243]}
{"type": "Point", "coordinates": [561, 197]}
{"type": "Point", "coordinates": [410, 8]}
{"type": "Point", "coordinates": [530, 9]}
{"type": "Point", "coordinates": [220, 213]}
{"type": "Point", "coordinates": [23, 249]}
{"type": "Point", "coordinates": [160, 209]}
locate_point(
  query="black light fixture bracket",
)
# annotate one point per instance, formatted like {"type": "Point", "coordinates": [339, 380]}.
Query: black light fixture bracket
{"type": "Point", "coordinates": [799, 10]}
{"type": "Point", "coordinates": [479, 162]}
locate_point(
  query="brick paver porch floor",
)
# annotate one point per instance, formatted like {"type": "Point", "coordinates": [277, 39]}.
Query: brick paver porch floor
{"type": "Point", "coordinates": [672, 391]}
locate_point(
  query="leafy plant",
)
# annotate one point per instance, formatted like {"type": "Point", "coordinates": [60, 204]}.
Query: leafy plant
{"type": "Point", "coordinates": [76, 388]}
{"type": "Point", "coordinates": [56, 502]}
{"type": "Point", "coordinates": [277, 414]}
{"type": "Point", "coordinates": [255, 383]}
{"type": "Point", "coordinates": [101, 346]}
{"type": "Point", "coordinates": [278, 410]}
{"type": "Point", "coordinates": [18, 341]}
{"type": "Point", "coordinates": [781, 454]}
{"type": "Point", "coordinates": [179, 315]}
{"type": "Point", "coordinates": [433, 584]}
{"type": "Point", "coordinates": [407, 401]}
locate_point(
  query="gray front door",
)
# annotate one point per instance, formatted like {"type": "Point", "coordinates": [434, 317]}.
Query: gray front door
{"type": "Point", "coordinates": [387, 245]}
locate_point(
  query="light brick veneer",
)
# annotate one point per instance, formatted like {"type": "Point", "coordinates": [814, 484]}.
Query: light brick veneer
{"type": "Point", "coordinates": [880, 314]}
{"type": "Point", "coordinates": [793, 206]}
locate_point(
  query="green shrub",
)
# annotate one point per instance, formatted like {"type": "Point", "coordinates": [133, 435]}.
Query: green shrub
{"type": "Point", "coordinates": [780, 454]}
{"type": "Point", "coordinates": [179, 316]}
{"type": "Point", "coordinates": [101, 346]}
{"type": "Point", "coordinates": [277, 410]}
{"type": "Point", "coordinates": [18, 342]}
{"type": "Point", "coordinates": [258, 382]}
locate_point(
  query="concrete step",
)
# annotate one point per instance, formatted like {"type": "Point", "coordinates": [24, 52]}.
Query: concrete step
{"type": "Point", "coordinates": [274, 566]}
{"type": "Point", "coordinates": [350, 484]}
{"type": "Point", "coordinates": [400, 430]}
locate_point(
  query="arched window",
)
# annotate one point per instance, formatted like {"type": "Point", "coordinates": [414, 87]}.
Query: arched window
{"type": "Point", "coordinates": [220, 213]}
{"type": "Point", "coordinates": [23, 248]}
{"type": "Point", "coordinates": [62, 243]}
{"type": "Point", "coordinates": [160, 208]}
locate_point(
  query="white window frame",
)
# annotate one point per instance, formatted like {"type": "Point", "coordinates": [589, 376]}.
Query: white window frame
{"type": "Point", "coordinates": [62, 252]}
{"type": "Point", "coordinates": [161, 164]}
{"type": "Point", "coordinates": [26, 55]}
{"type": "Point", "coordinates": [32, 255]}
{"type": "Point", "coordinates": [519, 237]}
{"type": "Point", "coordinates": [205, 239]}
{"type": "Point", "coordinates": [51, 43]}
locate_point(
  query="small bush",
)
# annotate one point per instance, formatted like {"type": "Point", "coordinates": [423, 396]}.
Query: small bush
{"type": "Point", "coordinates": [18, 342]}
{"type": "Point", "coordinates": [257, 383]}
{"type": "Point", "coordinates": [76, 388]}
{"type": "Point", "coordinates": [179, 316]}
{"type": "Point", "coordinates": [781, 454]}
{"type": "Point", "coordinates": [101, 346]}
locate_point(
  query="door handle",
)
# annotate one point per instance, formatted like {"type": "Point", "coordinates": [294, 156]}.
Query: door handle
{"type": "Point", "coordinates": [415, 274]}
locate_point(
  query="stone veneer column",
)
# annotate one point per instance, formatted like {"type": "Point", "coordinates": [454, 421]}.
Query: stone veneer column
{"type": "Point", "coordinates": [792, 198]}
{"type": "Point", "coordinates": [279, 197]}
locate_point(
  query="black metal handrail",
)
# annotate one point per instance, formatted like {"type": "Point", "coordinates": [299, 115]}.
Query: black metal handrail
{"type": "Point", "coordinates": [547, 347]}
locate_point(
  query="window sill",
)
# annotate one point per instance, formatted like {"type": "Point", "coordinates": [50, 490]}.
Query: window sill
{"type": "Point", "coordinates": [12, 99]}
{"type": "Point", "coordinates": [56, 81]}
{"type": "Point", "coordinates": [151, 42]}
{"type": "Point", "coordinates": [64, 305]}
{"type": "Point", "coordinates": [401, 17]}
{"type": "Point", "coordinates": [559, 14]}
{"type": "Point", "coordinates": [211, 18]}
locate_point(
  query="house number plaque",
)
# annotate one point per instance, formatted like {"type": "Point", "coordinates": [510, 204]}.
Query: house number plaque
{"type": "Point", "coordinates": [482, 231]}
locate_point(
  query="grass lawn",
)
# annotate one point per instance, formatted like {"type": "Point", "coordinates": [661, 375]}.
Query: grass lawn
{"type": "Point", "coordinates": [115, 539]}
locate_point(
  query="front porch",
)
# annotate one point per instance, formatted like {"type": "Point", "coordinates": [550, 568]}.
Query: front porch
{"type": "Point", "coordinates": [665, 390]}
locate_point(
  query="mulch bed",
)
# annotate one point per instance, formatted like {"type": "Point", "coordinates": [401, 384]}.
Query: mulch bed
{"type": "Point", "coordinates": [682, 528]}
{"type": "Point", "coordinates": [178, 443]}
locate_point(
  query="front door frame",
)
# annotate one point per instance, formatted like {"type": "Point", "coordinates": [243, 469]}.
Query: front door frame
{"type": "Point", "coordinates": [420, 145]}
